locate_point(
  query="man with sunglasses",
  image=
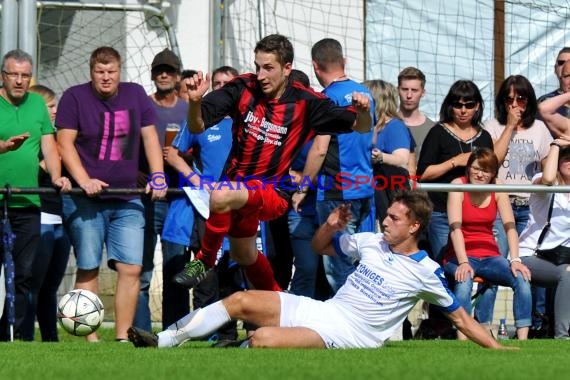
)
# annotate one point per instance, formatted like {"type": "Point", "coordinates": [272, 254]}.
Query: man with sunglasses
{"type": "Point", "coordinates": [563, 80]}
{"type": "Point", "coordinates": [171, 112]}
{"type": "Point", "coordinates": [562, 71]}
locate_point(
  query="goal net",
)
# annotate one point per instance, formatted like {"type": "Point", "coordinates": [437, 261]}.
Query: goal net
{"type": "Point", "coordinates": [447, 40]}
{"type": "Point", "coordinates": [304, 22]}
{"type": "Point", "coordinates": [69, 32]}
{"type": "Point", "coordinates": [451, 40]}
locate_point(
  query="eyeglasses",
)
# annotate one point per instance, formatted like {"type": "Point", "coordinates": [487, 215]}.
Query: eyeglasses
{"type": "Point", "coordinates": [15, 76]}
{"type": "Point", "coordinates": [483, 172]}
{"type": "Point", "coordinates": [469, 105]}
{"type": "Point", "coordinates": [521, 100]}
{"type": "Point", "coordinates": [560, 62]}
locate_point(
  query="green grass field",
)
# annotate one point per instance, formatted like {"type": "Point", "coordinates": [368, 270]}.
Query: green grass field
{"type": "Point", "coordinates": [74, 359]}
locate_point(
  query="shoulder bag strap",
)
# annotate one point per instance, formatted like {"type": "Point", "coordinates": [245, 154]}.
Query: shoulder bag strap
{"type": "Point", "coordinates": [547, 224]}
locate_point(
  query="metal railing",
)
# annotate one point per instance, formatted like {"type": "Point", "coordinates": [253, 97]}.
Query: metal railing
{"type": "Point", "coordinates": [442, 187]}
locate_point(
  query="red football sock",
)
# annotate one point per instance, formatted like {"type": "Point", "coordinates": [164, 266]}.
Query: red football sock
{"type": "Point", "coordinates": [217, 227]}
{"type": "Point", "coordinates": [260, 274]}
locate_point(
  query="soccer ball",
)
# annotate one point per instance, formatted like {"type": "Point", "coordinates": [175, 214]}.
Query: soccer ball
{"type": "Point", "coordinates": [80, 312]}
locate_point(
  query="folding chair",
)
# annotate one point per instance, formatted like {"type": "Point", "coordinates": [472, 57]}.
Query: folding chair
{"type": "Point", "coordinates": [481, 288]}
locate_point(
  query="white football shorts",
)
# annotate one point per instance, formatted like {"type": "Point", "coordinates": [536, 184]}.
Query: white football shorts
{"type": "Point", "coordinates": [335, 325]}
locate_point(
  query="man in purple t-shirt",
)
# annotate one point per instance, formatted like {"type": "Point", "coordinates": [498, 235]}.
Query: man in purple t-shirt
{"type": "Point", "coordinates": [101, 125]}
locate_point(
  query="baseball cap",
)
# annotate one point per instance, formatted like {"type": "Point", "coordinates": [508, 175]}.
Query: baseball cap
{"type": "Point", "coordinates": [168, 58]}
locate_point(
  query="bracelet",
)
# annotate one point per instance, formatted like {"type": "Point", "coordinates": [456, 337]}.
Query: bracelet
{"type": "Point", "coordinates": [300, 190]}
{"type": "Point", "coordinates": [515, 260]}
{"type": "Point", "coordinates": [452, 164]}
{"type": "Point", "coordinates": [464, 262]}
{"type": "Point", "coordinates": [554, 143]}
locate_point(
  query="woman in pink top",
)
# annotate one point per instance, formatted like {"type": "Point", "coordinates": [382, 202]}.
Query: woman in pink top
{"type": "Point", "coordinates": [472, 250]}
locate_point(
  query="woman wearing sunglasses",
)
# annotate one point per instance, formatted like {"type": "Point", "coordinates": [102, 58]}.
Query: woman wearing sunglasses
{"type": "Point", "coordinates": [446, 149]}
{"type": "Point", "coordinates": [472, 250]}
{"type": "Point", "coordinates": [521, 143]}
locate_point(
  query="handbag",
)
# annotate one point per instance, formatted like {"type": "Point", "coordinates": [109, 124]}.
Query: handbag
{"type": "Point", "coordinates": [558, 255]}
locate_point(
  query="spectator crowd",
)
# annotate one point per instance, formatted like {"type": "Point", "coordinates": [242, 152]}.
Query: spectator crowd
{"type": "Point", "coordinates": [264, 154]}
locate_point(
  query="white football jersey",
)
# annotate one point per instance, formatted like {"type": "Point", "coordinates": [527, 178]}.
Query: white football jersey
{"type": "Point", "coordinates": [386, 285]}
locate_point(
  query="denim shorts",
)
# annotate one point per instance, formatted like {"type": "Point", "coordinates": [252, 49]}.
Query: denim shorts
{"type": "Point", "coordinates": [118, 224]}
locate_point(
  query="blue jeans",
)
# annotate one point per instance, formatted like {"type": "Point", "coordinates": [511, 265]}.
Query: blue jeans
{"type": "Point", "coordinates": [155, 213]}
{"type": "Point", "coordinates": [90, 223]}
{"type": "Point", "coordinates": [497, 271]}
{"type": "Point", "coordinates": [338, 268]}
{"type": "Point", "coordinates": [48, 270]}
{"type": "Point", "coordinates": [438, 234]}
{"type": "Point", "coordinates": [306, 261]}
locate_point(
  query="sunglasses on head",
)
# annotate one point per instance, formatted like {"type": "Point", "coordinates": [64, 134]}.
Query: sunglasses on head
{"type": "Point", "coordinates": [521, 100]}
{"type": "Point", "coordinates": [469, 105]}
{"type": "Point", "coordinates": [560, 62]}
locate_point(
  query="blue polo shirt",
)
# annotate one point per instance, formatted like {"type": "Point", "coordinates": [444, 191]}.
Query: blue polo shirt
{"type": "Point", "coordinates": [349, 154]}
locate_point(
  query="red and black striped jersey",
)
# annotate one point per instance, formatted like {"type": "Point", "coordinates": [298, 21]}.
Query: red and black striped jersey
{"type": "Point", "coordinates": [269, 133]}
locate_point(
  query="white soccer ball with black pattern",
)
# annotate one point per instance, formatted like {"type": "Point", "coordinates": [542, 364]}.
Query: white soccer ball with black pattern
{"type": "Point", "coordinates": [80, 312]}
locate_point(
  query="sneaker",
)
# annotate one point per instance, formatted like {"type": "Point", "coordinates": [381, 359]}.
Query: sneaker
{"type": "Point", "coordinates": [142, 338]}
{"type": "Point", "coordinates": [194, 273]}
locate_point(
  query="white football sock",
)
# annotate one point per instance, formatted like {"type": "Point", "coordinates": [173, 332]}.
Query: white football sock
{"type": "Point", "coordinates": [182, 321]}
{"type": "Point", "coordinates": [199, 323]}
